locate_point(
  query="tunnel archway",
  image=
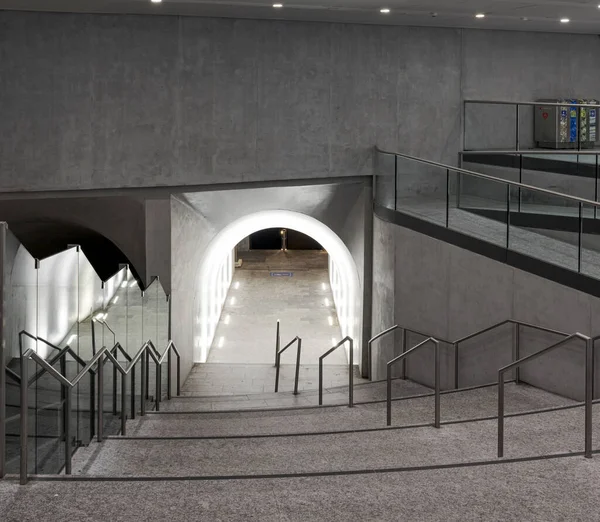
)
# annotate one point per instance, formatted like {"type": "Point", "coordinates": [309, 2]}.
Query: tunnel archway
{"type": "Point", "coordinates": [210, 283]}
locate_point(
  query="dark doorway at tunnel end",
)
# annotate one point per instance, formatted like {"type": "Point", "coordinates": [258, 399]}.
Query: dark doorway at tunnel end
{"type": "Point", "coordinates": [278, 238]}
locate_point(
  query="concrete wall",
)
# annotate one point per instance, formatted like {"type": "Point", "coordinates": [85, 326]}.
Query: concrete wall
{"type": "Point", "coordinates": [445, 291]}
{"type": "Point", "coordinates": [190, 234]}
{"type": "Point", "coordinates": [98, 101]}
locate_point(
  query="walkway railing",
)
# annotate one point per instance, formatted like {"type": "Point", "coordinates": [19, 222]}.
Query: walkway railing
{"type": "Point", "coordinates": [434, 192]}
{"type": "Point", "coordinates": [436, 369]}
{"type": "Point", "coordinates": [516, 107]}
{"type": "Point", "coordinates": [589, 377]}
{"type": "Point", "coordinates": [278, 362]}
{"type": "Point", "coordinates": [350, 341]}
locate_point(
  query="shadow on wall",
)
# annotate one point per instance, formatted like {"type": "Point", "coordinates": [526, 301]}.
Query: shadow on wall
{"type": "Point", "coordinates": [47, 238]}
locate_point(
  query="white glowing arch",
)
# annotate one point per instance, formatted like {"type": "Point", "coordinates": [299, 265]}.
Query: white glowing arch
{"type": "Point", "coordinates": [212, 279]}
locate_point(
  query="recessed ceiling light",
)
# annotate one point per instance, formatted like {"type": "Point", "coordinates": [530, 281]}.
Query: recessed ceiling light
{"type": "Point", "coordinates": [564, 20]}
{"type": "Point", "coordinates": [277, 6]}
{"type": "Point", "coordinates": [385, 10]}
{"type": "Point", "coordinates": [480, 15]}
{"type": "Point", "coordinates": [156, 1]}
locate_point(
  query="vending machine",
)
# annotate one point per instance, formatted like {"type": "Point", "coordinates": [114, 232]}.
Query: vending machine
{"type": "Point", "coordinates": [556, 126]}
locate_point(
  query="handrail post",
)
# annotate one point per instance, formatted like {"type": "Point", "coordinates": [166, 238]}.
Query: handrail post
{"type": "Point", "coordinates": [589, 376]}
{"type": "Point", "coordinates": [123, 404]}
{"type": "Point", "coordinates": [320, 381]}
{"type": "Point", "coordinates": [158, 386]}
{"type": "Point", "coordinates": [389, 394]}
{"type": "Point", "coordinates": [178, 375]}
{"type": "Point", "coordinates": [68, 437]}
{"type": "Point", "coordinates": [500, 414]}
{"type": "Point", "coordinates": [100, 398]}
{"type": "Point", "coordinates": [169, 370]}
{"type": "Point", "coordinates": [404, 351]}
{"type": "Point", "coordinates": [147, 389]}
{"type": "Point", "coordinates": [351, 376]}
{"type": "Point", "coordinates": [133, 392]}
{"type": "Point", "coordinates": [24, 419]}
{"type": "Point", "coordinates": [114, 386]}
{"type": "Point", "coordinates": [63, 397]}
{"type": "Point", "coordinates": [456, 363]}
{"type": "Point", "coordinates": [92, 405]}
{"type": "Point", "coordinates": [297, 377]}
{"type": "Point", "coordinates": [436, 347]}
{"type": "Point", "coordinates": [517, 351]}
{"type": "Point", "coordinates": [277, 341]}
{"type": "Point", "coordinates": [277, 363]}
{"type": "Point", "coordinates": [143, 383]}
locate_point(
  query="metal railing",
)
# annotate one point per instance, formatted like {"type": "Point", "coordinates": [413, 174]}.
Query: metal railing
{"type": "Point", "coordinates": [97, 361]}
{"type": "Point", "coordinates": [278, 363]}
{"type": "Point", "coordinates": [589, 376]}
{"type": "Point", "coordinates": [171, 348]}
{"type": "Point", "coordinates": [402, 357]}
{"type": "Point", "coordinates": [370, 348]}
{"type": "Point", "coordinates": [62, 353]}
{"type": "Point", "coordinates": [350, 370]}
{"type": "Point", "coordinates": [456, 344]}
{"type": "Point", "coordinates": [517, 106]}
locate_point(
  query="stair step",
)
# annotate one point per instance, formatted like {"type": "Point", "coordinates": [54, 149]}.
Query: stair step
{"type": "Point", "coordinates": [549, 433]}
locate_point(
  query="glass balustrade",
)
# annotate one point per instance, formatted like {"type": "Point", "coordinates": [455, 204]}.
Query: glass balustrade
{"type": "Point", "coordinates": [61, 301]}
{"type": "Point", "coordinates": [539, 223]}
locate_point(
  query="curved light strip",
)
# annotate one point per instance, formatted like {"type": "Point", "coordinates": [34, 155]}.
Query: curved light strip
{"type": "Point", "coordinates": [233, 233]}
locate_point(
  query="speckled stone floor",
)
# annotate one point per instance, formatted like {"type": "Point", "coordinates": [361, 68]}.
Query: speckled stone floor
{"type": "Point", "coordinates": [564, 489]}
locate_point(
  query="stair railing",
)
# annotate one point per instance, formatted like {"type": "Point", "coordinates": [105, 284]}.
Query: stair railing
{"type": "Point", "coordinates": [370, 348]}
{"type": "Point", "coordinates": [402, 357]}
{"type": "Point", "coordinates": [589, 376]}
{"type": "Point", "coordinates": [167, 356]}
{"type": "Point", "coordinates": [456, 344]}
{"type": "Point", "coordinates": [62, 353]}
{"type": "Point", "coordinates": [278, 363]}
{"type": "Point", "coordinates": [350, 370]}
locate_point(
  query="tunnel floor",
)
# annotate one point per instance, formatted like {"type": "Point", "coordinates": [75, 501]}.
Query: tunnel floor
{"type": "Point", "coordinates": [292, 287]}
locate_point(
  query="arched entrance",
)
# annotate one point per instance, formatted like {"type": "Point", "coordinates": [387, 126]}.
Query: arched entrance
{"type": "Point", "coordinates": [214, 274]}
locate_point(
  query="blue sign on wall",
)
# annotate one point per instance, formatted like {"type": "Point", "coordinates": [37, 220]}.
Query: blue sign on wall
{"type": "Point", "coordinates": [282, 274]}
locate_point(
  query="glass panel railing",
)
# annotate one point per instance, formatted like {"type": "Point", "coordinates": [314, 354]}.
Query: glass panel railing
{"type": "Point", "coordinates": [542, 224]}
{"type": "Point", "coordinates": [477, 193]}
{"type": "Point", "coordinates": [20, 303]}
{"type": "Point", "coordinates": [385, 180]}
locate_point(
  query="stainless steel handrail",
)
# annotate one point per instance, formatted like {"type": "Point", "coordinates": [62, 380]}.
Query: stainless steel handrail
{"type": "Point", "coordinates": [67, 385]}
{"type": "Point", "coordinates": [535, 152]}
{"type": "Point", "coordinates": [589, 374]}
{"type": "Point", "coordinates": [531, 103]}
{"type": "Point", "coordinates": [458, 170]}
{"type": "Point", "coordinates": [278, 363]}
{"type": "Point", "coordinates": [455, 344]}
{"type": "Point", "coordinates": [402, 357]}
{"type": "Point", "coordinates": [370, 348]}
{"type": "Point", "coordinates": [350, 370]}
{"type": "Point", "coordinates": [167, 354]}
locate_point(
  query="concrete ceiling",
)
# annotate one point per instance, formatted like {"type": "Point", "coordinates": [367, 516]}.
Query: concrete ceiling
{"type": "Point", "coordinates": [532, 15]}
